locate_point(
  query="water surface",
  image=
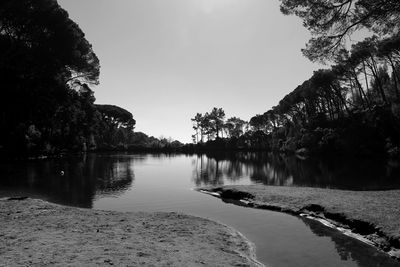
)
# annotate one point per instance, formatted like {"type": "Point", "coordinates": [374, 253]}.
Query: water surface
{"type": "Point", "coordinates": [140, 182]}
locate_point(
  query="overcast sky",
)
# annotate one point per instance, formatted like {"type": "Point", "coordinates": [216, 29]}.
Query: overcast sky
{"type": "Point", "coordinates": [166, 60]}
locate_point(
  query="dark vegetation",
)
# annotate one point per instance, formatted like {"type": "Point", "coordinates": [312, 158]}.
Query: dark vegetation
{"type": "Point", "coordinates": [46, 70]}
{"type": "Point", "coordinates": [351, 108]}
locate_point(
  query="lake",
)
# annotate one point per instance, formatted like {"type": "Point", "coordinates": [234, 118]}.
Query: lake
{"type": "Point", "coordinates": [161, 182]}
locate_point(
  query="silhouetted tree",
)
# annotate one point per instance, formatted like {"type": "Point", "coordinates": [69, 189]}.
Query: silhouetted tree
{"type": "Point", "coordinates": [43, 55]}
{"type": "Point", "coordinates": [330, 22]}
{"type": "Point", "coordinates": [197, 126]}
{"type": "Point", "coordinates": [234, 126]}
{"type": "Point", "coordinates": [216, 118]}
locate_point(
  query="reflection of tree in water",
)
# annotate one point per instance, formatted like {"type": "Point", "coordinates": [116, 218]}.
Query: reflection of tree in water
{"type": "Point", "coordinates": [269, 169]}
{"type": "Point", "coordinates": [342, 173]}
{"type": "Point", "coordinates": [113, 175]}
{"type": "Point", "coordinates": [207, 171]}
{"type": "Point", "coordinates": [350, 249]}
{"type": "Point", "coordinates": [84, 178]}
{"type": "Point", "coordinates": [214, 170]}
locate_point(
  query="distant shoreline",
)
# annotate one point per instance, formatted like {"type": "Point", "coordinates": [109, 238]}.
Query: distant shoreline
{"type": "Point", "coordinates": [370, 216]}
{"type": "Point", "coordinates": [36, 232]}
{"type": "Point", "coordinates": [184, 150]}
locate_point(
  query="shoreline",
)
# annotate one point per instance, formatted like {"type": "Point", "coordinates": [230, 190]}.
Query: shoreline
{"type": "Point", "coordinates": [36, 232]}
{"type": "Point", "coordinates": [282, 200]}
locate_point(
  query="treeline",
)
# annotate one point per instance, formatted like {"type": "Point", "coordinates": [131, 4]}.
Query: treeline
{"type": "Point", "coordinates": [46, 70]}
{"type": "Point", "coordinates": [212, 125]}
{"type": "Point", "coordinates": [214, 132]}
{"type": "Point", "coordinates": [353, 107]}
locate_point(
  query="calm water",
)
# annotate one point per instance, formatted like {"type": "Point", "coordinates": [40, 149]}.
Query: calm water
{"type": "Point", "coordinates": [129, 182]}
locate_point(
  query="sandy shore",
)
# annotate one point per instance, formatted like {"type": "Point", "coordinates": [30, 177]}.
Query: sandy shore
{"type": "Point", "coordinates": [373, 215]}
{"type": "Point", "coordinates": [37, 233]}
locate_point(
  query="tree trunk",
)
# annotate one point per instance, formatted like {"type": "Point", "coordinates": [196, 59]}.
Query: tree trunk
{"type": "Point", "coordinates": [366, 79]}
{"type": "Point", "coordinates": [377, 79]}
{"type": "Point", "coordinates": [395, 78]}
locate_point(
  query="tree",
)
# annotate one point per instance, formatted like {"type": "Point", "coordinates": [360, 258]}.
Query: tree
{"type": "Point", "coordinates": [259, 122]}
{"type": "Point", "coordinates": [389, 49]}
{"type": "Point", "coordinates": [212, 124]}
{"type": "Point", "coordinates": [365, 54]}
{"type": "Point", "coordinates": [216, 118]}
{"type": "Point", "coordinates": [43, 54]}
{"type": "Point", "coordinates": [332, 21]}
{"type": "Point", "coordinates": [197, 126]}
{"type": "Point", "coordinates": [49, 43]}
{"type": "Point", "coordinates": [235, 126]}
{"type": "Point", "coordinates": [206, 127]}
{"type": "Point", "coordinates": [116, 126]}
{"type": "Point", "coordinates": [117, 116]}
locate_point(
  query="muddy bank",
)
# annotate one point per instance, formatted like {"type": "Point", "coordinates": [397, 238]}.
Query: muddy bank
{"type": "Point", "coordinates": [38, 233]}
{"type": "Point", "coordinates": [370, 216]}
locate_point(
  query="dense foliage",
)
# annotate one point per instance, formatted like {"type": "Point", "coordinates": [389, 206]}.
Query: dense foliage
{"type": "Point", "coordinates": [332, 22]}
{"type": "Point", "coordinates": [213, 131]}
{"type": "Point", "coordinates": [45, 64]}
{"type": "Point", "coordinates": [353, 107]}
{"type": "Point", "coordinates": [46, 69]}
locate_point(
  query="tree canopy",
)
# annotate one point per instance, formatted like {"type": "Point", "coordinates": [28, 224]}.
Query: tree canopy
{"type": "Point", "coordinates": [50, 44]}
{"type": "Point", "coordinates": [46, 65]}
{"type": "Point", "coordinates": [331, 21]}
{"type": "Point", "coordinates": [117, 116]}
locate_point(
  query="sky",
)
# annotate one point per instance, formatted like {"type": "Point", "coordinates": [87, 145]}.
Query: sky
{"type": "Point", "coordinates": [166, 60]}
